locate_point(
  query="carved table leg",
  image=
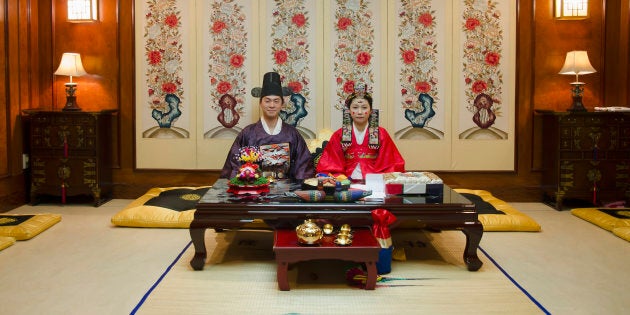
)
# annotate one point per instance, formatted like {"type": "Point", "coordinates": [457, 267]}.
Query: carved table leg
{"type": "Point", "coordinates": [370, 283]}
{"type": "Point", "coordinates": [282, 275]}
{"type": "Point", "coordinates": [198, 239]}
{"type": "Point", "coordinates": [473, 238]}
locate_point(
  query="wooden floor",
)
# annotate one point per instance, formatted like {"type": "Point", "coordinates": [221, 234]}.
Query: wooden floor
{"type": "Point", "coordinates": [84, 265]}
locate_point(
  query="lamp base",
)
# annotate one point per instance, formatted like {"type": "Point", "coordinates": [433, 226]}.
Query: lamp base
{"type": "Point", "coordinates": [577, 105]}
{"type": "Point", "coordinates": [71, 99]}
{"type": "Point", "coordinates": [71, 104]}
{"type": "Point", "coordinates": [577, 91]}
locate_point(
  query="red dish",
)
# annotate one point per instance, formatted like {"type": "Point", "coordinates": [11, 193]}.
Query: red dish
{"type": "Point", "coordinates": [248, 189]}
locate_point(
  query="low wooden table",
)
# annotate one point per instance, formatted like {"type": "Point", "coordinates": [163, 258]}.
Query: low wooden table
{"type": "Point", "coordinates": [364, 249]}
{"type": "Point", "coordinates": [219, 209]}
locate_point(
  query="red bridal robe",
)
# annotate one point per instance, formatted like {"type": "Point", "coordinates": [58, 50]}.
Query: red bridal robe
{"type": "Point", "coordinates": [336, 160]}
{"type": "Point", "coordinates": [285, 155]}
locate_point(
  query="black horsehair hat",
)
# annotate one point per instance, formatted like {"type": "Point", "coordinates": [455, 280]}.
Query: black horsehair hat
{"type": "Point", "coordinates": [271, 85]}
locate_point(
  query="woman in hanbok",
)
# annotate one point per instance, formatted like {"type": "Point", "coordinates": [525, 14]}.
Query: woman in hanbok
{"type": "Point", "coordinates": [360, 146]}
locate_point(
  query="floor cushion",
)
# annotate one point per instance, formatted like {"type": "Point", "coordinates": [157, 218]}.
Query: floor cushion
{"type": "Point", "coordinates": [26, 226]}
{"type": "Point", "coordinates": [615, 220]}
{"type": "Point", "coordinates": [623, 232]}
{"type": "Point", "coordinates": [497, 215]}
{"type": "Point", "coordinates": [170, 207]}
{"type": "Point", "coordinates": [6, 241]}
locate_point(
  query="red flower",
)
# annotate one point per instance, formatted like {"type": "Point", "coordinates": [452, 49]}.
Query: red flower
{"type": "Point", "coordinates": [403, 91]}
{"type": "Point", "coordinates": [409, 56]}
{"type": "Point", "coordinates": [492, 58]}
{"type": "Point", "coordinates": [479, 86]}
{"type": "Point", "coordinates": [299, 19]}
{"type": "Point", "coordinates": [224, 87]}
{"type": "Point", "coordinates": [468, 80]}
{"type": "Point", "coordinates": [151, 92]}
{"type": "Point", "coordinates": [472, 23]}
{"type": "Point", "coordinates": [296, 86]}
{"type": "Point", "coordinates": [236, 60]}
{"type": "Point", "coordinates": [169, 87]}
{"type": "Point", "coordinates": [425, 19]}
{"type": "Point", "coordinates": [218, 26]}
{"type": "Point", "coordinates": [348, 87]}
{"type": "Point", "coordinates": [339, 80]}
{"type": "Point", "coordinates": [343, 23]}
{"type": "Point", "coordinates": [155, 57]}
{"type": "Point", "coordinates": [363, 58]}
{"type": "Point", "coordinates": [171, 20]}
{"type": "Point", "coordinates": [281, 56]}
{"type": "Point", "coordinates": [423, 87]}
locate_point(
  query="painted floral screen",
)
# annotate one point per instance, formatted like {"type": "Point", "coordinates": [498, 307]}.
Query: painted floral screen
{"type": "Point", "coordinates": [441, 74]}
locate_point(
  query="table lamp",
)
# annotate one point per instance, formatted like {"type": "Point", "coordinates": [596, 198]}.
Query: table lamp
{"type": "Point", "coordinates": [71, 65]}
{"type": "Point", "coordinates": [577, 63]}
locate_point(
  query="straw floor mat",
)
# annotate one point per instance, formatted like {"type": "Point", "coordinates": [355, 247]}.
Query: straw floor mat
{"type": "Point", "coordinates": [240, 278]}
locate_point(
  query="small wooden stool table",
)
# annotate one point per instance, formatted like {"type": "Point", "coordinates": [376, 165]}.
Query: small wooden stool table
{"type": "Point", "coordinates": [364, 249]}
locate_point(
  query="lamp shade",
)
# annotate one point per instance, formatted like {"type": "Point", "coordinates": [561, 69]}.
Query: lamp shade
{"type": "Point", "coordinates": [577, 63]}
{"type": "Point", "coordinates": [71, 65]}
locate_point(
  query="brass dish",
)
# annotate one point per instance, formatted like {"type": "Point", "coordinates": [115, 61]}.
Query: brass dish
{"type": "Point", "coordinates": [343, 241]}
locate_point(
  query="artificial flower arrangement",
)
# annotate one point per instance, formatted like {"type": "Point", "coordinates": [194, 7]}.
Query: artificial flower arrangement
{"type": "Point", "coordinates": [249, 172]}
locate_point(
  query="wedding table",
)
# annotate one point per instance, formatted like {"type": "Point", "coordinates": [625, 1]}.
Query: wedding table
{"type": "Point", "coordinates": [219, 209]}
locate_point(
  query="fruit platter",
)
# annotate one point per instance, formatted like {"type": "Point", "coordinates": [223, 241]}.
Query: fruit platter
{"type": "Point", "coordinates": [328, 183]}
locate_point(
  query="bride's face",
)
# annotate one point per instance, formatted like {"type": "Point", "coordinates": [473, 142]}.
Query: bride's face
{"type": "Point", "coordinates": [360, 111]}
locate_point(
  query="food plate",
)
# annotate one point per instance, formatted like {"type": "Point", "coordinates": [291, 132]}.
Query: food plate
{"type": "Point", "coordinates": [248, 190]}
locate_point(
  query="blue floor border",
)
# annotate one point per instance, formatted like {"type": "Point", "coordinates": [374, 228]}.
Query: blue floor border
{"type": "Point", "coordinates": [168, 269]}
{"type": "Point", "coordinates": [542, 308]}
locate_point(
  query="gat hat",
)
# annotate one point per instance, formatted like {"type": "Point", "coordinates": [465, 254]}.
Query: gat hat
{"type": "Point", "coordinates": [271, 86]}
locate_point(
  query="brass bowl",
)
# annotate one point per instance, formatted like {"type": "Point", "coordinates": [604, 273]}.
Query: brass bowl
{"type": "Point", "coordinates": [343, 240]}
{"type": "Point", "coordinates": [309, 233]}
{"type": "Point", "coordinates": [344, 234]}
{"type": "Point", "coordinates": [345, 227]}
{"type": "Point", "coordinates": [328, 229]}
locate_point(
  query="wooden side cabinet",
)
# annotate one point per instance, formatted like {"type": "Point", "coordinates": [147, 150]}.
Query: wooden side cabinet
{"type": "Point", "coordinates": [586, 156]}
{"type": "Point", "coordinates": [70, 154]}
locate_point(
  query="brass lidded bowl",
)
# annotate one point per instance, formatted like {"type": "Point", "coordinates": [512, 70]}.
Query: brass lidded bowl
{"type": "Point", "coordinates": [309, 233]}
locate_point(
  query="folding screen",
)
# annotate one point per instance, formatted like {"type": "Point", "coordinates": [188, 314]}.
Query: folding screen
{"type": "Point", "coordinates": [441, 73]}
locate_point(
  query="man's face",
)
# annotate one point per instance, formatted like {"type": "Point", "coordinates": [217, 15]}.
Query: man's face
{"type": "Point", "coordinates": [271, 105]}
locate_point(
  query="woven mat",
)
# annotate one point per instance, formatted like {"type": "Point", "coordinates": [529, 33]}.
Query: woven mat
{"type": "Point", "coordinates": [240, 278]}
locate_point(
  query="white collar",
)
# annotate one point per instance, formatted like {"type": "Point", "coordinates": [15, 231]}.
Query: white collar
{"type": "Point", "coordinates": [359, 136]}
{"type": "Point", "coordinates": [276, 130]}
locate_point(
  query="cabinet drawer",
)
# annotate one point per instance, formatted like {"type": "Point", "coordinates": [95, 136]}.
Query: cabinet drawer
{"type": "Point", "coordinates": [77, 132]}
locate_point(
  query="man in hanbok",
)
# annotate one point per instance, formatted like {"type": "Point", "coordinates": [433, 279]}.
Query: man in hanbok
{"type": "Point", "coordinates": [285, 153]}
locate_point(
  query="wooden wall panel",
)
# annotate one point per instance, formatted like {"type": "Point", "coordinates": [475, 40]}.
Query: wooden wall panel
{"type": "Point", "coordinates": [542, 44]}
{"type": "Point", "coordinates": [553, 39]}
{"type": "Point", "coordinates": [4, 106]}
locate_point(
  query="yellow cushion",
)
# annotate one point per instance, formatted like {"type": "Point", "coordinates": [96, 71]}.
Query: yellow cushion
{"type": "Point", "coordinates": [623, 232]}
{"type": "Point", "coordinates": [512, 220]}
{"type": "Point", "coordinates": [137, 214]}
{"type": "Point", "coordinates": [26, 226]}
{"type": "Point", "coordinates": [615, 220]}
{"type": "Point", "coordinates": [314, 144]}
{"type": "Point", "coordinates": [6, 241]}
